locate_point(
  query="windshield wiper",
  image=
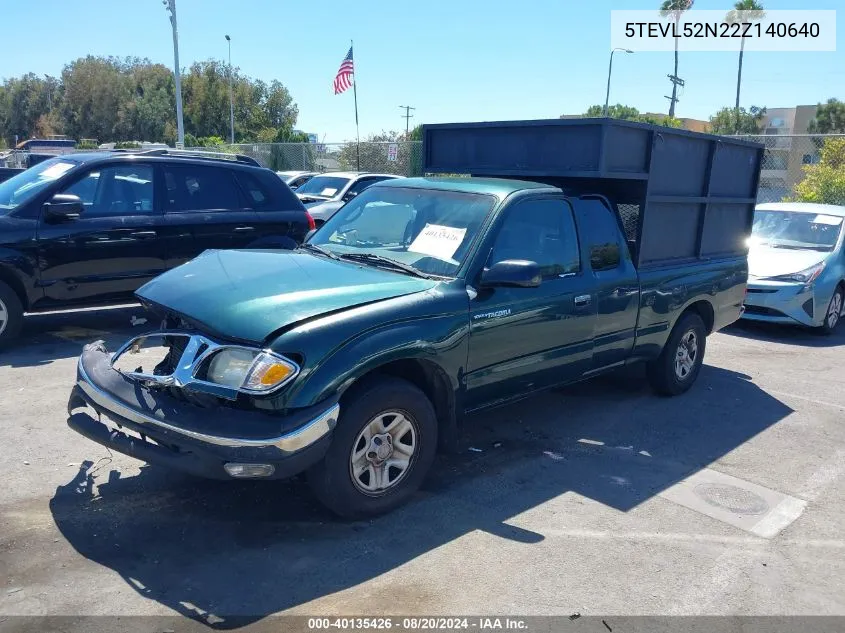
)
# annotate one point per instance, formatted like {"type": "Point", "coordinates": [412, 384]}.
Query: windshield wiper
{"type": "Point", "coordinates": [311, 247]}
{"type": "Point", "coordinates": [385, 261]}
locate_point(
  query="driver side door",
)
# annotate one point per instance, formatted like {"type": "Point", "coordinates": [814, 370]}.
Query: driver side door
{"type": "Point", "coordinates": [112, 248]}
{"type": "Point", "coordinates": [526, 339]}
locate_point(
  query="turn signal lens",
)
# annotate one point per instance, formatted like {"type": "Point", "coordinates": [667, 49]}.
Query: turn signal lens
{"type": "Point", "coordinates": [268, 372]}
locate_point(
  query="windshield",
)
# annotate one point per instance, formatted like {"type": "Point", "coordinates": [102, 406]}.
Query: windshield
{"type": "Point", "coordinates": [27, 184]}
{"type": "Point", "coordinates": [432, 231]}
{"type": "Point", "coordinates": [324, 186]}
{"type": "Point", "coordinates": [793, 229]}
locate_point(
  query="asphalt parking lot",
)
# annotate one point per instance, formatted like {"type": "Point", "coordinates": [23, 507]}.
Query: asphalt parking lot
{"type": "Point", "coordinates": [598, 499]}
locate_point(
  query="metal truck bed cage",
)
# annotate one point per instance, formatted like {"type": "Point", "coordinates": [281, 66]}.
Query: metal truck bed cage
{"type": "Point", "coordinates": [682, 195]}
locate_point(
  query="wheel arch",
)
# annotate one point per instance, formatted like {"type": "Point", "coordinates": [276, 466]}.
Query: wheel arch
{"type": "Point", "coordinates": [704, 309]}
{"type": "Point", "coordinates": [14, 282]}
{"type": "Point", "coordinates": [428, 377]}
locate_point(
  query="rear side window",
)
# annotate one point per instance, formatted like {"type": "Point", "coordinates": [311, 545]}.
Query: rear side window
{"type": "Point", "coordinates": [199, 188]}
{"type": "Point", "coordinates": [265, 191]}
{"type": "Point", "coordinates": [603, 235]}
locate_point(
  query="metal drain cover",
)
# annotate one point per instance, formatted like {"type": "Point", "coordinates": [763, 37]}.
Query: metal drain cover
{"type": "Point", "coordinates": [732, 498]}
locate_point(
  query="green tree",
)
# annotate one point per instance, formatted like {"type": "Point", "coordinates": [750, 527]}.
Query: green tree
{"type": "Point", "coordinates": [729, 121]}
{"type": "Point", "coordinates": [744, 12]}
{"type": "Point", "coordinates": [629, 113]}
{"type": "Point", "coordinates": [830, 118]}
{"type": "Point", "coordinates": [824, 182]}
{"type": "Point", "coordinates": [150, 106]}
{"type": "Point", "coordinates": [23, 103]}
{"type": "Point", "coordinates": [675, 9]}
{"type": "Point", "coordinates": [95, 89]}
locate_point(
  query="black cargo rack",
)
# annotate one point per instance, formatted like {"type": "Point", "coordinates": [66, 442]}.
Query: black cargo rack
{"type": "Point", "coordinates": [682, 195]}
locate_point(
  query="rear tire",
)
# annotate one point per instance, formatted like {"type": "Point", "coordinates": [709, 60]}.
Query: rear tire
{"type": "Point", "coordinates": [676, 369]}
{"type": "Point", "coordinates": [362, 473]}
{"type": "Point", "coordinates": [834, 312]}
{"type": "Point", "coordinates": [11, 315]}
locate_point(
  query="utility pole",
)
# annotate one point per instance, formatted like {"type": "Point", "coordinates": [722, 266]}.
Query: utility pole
{"type": "Point", "coordinates": [231, 96]}
{"type": "Point", "coordinates": [609, 73]}
{"type": "Point", "coordinates": [407, 116]}
{"type": "Point", "coordinates": [170, 6]}
{"type": "Point", "coordinates": [676, 82]}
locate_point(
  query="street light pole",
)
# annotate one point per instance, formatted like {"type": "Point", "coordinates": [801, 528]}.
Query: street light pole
{"type": "Point", "coordinates": [231, 96]}
{"type": "Point", "coordinates": [170, 5]}
{"type": "Point", "coordinates": [609, 73]}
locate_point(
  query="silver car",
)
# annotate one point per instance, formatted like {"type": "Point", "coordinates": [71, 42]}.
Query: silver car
{"type": "Point", "coordinates": [295, 179]}
{"type": "Point", "coordinates": [323, 195]}
{"type": "Point", "coordinates": [796, 263]}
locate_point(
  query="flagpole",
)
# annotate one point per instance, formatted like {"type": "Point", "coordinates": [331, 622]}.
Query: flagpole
{"type": "Point", "coordinates": [355, 92]}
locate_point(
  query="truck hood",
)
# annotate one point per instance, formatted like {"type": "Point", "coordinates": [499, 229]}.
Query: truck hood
{"type": "Point", "coordinates": [248, 295]}
{"type": "Point", "coordinates": [764, 261]}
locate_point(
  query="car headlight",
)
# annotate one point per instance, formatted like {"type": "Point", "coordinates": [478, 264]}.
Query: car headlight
{"type": "Point", "coordinates": [806, 276]}
{"type": "Point", "coordinates": [251, 371]}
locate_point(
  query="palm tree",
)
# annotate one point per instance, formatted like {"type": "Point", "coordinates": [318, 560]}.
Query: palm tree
{"type": "Point", "coordinates": [744, 12]}
{"type": "Point", "coordinates": [675, 8]}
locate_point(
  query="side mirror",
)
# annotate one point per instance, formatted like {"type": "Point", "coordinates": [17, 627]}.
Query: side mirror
{"type": "Point", "coordinates": [63, 206]}
{"type": "Point", "coordinates": [514, 273]}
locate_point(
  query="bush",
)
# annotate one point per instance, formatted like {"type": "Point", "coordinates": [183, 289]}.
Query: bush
{"type": "Point", "coordinates": [127, 145]}
{"type": "Point", "coordinates": [825, 182]}
{"type": "Point", "coordinates": [86, 145]}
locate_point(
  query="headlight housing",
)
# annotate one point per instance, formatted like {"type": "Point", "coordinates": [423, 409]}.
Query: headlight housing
{"type": "Point", "coordinates": [248, 370]}
{"type": "Point", "coordinates": [806, 276]}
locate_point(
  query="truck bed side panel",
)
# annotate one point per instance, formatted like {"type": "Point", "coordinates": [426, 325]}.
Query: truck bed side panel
{"type": "Point", "coordinates": [668, 291]}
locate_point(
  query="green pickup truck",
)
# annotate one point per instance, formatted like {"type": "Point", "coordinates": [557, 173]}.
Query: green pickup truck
{"type": "Point", "coordinates": [355, 356]}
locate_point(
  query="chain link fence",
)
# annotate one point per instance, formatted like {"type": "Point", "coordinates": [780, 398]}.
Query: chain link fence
{"type": "Point", "coordinates": [402, 158]}
{"type": "Point", "coordinates": [790, 159]}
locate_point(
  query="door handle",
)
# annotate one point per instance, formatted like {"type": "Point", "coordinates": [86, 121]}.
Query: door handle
{"type": "Point", "coordinates": [144, 235]}
{"type": "Point", "coordinates": [583, 300]}
{"type": "Point", "coordinates": [244, 229]}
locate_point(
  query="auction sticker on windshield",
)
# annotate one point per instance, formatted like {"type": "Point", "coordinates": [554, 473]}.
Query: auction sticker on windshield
{"type": "Point", "coordinates": [438, 241]}
{"type": "Point", "coordinates": [328, 191]}
{"type": "Point", "coordinates": [57, 170]}
{"type": "Point", "coordinates": [832, 220]}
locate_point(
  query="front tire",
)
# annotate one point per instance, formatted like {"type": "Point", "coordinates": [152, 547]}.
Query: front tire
{"type": "Point", "coordinates": [834, 312]}
{"type": "Point", "coordinates": [676, 369]}
{"type": "Point", "coordinates": [11, 315]}
{"type": "Point", "coordinates": [382, 449]}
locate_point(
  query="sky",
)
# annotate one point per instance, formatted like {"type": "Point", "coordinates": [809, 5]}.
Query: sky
{"type": "Point", "coordinates": [453, 60]}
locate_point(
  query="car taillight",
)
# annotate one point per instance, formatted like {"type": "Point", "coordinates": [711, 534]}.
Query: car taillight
{"type": "Point", "coordinates": [311, 224]}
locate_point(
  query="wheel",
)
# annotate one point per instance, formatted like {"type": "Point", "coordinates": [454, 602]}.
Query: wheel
{"type": "Point", "coordinates": [11, 315]}
{"type": "Point", "coordinates": [677, 367]}
{"type": "Point", "coordinates": [382, 449]}
{"type": "Point", "coordinates": [834, 312]}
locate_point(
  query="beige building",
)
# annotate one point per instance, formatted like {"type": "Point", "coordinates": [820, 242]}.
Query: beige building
{"type": "Point", "coordinates": [787, 152]}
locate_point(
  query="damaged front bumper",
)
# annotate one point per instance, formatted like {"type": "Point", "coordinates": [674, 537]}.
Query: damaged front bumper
{"type": "Point", "coordinates": [219, 443]}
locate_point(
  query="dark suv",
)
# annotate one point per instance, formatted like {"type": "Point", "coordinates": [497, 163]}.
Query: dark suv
{"type": "Point", "coordinates": [89, 229]}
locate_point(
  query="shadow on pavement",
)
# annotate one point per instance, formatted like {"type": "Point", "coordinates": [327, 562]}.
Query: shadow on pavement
{"type": "Point", "coordinates": [232, 553]}
{"type": "Point", "coordinates": [51, 336]}
{"type": "Point", "coordinates": [786, 334]}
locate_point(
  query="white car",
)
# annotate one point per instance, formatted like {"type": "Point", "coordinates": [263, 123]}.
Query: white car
{"type": "Point", "coordinates": [295, 179]}
{"type": "Point", "coordinates": [324, 194]}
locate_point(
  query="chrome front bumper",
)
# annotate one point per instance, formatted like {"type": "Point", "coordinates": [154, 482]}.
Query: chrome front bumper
{"type": "Point", "coordinates": [211, 436]}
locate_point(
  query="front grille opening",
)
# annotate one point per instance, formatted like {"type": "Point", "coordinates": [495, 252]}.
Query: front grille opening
{"type": "Point", "coordinates": [750, 309]}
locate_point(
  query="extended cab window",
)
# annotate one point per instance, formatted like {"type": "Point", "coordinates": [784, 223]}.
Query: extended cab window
{"type": "Point", "coordinates": [199, 188]}
{"type": "Point", "coordinates": [117, 190]}
{"type": "Point", "coordinates": [603, 236]}
{"type": "Point", "coordinates": [541, 231]}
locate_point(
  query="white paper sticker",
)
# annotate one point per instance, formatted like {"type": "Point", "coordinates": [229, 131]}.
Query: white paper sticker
{"type": "Point", "coordinates": [328, 191]}
{"type": "Point", "coordinates": [438, 241]}
{"type": "Point", "coordinates": [57, 170]}
{"type": "Point", "coordinates": [832, 220]}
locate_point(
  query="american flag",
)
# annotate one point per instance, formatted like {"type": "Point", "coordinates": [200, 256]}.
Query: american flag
{"type": "Point", "coordinates": [345, 74]}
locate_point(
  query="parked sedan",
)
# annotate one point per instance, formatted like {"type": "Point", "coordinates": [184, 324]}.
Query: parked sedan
{"type": "Point", "coordinates": [796, 265]}
{"type": "Point", "coordinates": [323, 195]}
{"type": "Point", "coordinates": [295, 179]}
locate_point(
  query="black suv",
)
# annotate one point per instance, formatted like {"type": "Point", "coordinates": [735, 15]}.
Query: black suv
{"type": "Point", "coordinates": [89, 229]}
